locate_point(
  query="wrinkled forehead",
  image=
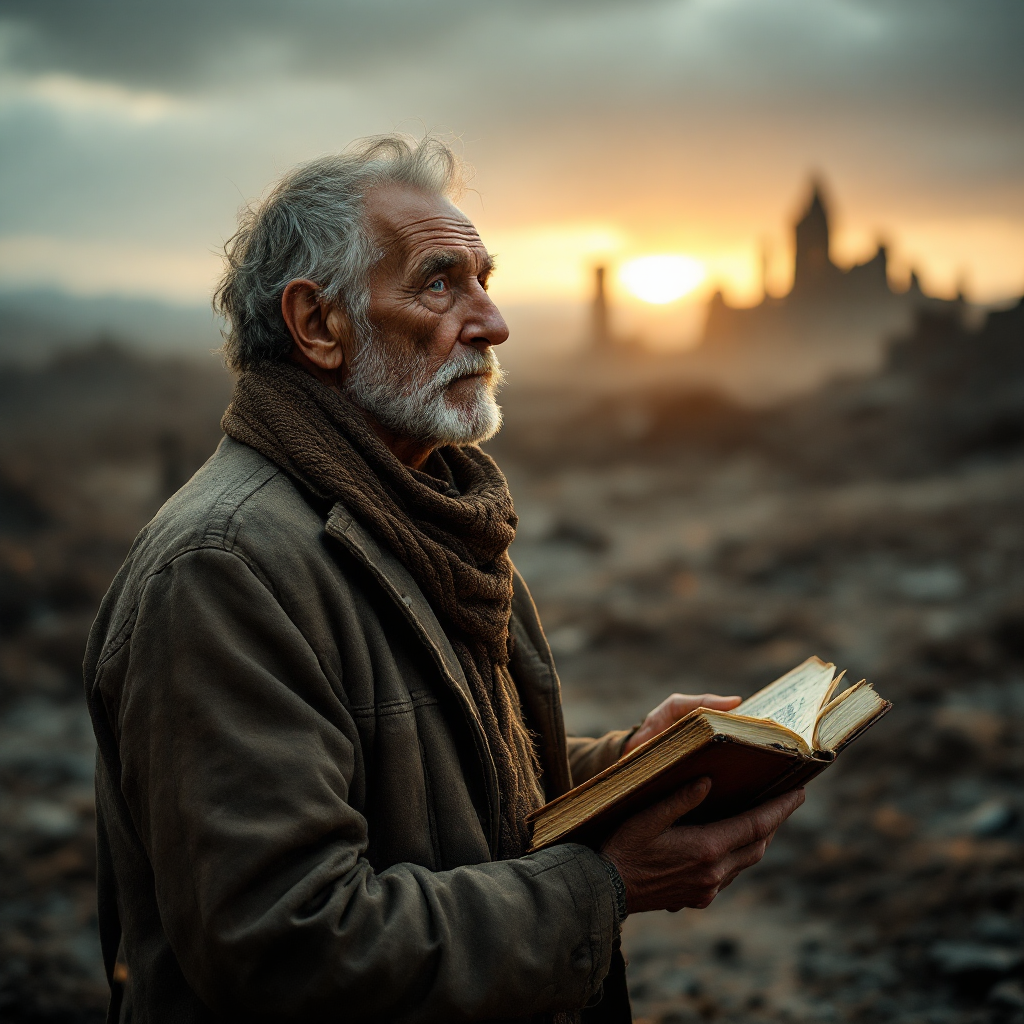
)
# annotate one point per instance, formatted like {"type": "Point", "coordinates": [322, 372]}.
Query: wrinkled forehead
{"type": "Point", "coordinates": [406, 224]}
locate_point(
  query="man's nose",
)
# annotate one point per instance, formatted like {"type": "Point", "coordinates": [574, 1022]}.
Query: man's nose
{"type": "Point", "coordinates": [485, 326]}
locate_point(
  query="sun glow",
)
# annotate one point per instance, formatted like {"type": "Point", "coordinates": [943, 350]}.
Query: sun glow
{"type": "Point", "coordinates": [661, 279]}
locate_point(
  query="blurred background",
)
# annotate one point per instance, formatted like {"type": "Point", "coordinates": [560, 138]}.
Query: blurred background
{"type": "Point", "coordinates": [762, 265]}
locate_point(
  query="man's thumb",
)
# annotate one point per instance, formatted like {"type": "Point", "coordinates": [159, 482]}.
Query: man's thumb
{"type": "Point", "coordinates": [666, 813]}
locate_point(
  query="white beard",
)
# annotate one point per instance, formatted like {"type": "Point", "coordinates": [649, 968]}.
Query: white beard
{"type": "Point", "coordinates": [401, 396]}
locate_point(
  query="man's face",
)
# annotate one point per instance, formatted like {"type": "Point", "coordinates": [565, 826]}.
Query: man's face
{"type": "Point", "coordinates": [429, 371]}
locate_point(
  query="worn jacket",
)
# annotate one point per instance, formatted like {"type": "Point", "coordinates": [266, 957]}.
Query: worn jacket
{"type": "Point", "coordinates": [296, 805]}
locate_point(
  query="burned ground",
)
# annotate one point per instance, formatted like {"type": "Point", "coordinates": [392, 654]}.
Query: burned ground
{"type": "Point", "coordinates": [685, 544]}
{"type": "Point", "coordinates": [674, 541]}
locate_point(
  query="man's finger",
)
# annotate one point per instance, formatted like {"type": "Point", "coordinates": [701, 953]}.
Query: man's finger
{"type": "Point", "coordinates": [671, 709]}
{"type": "Point", "coordinates": [735, 863]}
{"type": "Point", "coordinates": [717, 703]}
{"type": "Point", "coordinates": [743, 858]}
{"type": "Point", "coordinates": [757, 823]}
{"type": "Point", "coordinates": [680, 704]}
{"type": "Point", "coordinates": [657, 819]}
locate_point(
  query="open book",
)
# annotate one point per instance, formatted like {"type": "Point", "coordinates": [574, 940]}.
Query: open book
{"type": "Point", "coordinates": [773, 742]}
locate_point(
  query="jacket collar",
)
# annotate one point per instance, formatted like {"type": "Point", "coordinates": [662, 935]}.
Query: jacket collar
{"type": "Point", "coordinates": [403, 589]}
{"type": "Point", "coordinates": [399, 584]}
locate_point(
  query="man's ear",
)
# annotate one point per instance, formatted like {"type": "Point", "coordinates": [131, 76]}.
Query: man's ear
{"type": "Point", "coordinates": [321, 332]}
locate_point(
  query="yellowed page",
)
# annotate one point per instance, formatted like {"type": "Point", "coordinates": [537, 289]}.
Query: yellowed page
{"type": "Point", "coordinates": [845, 715]}
{"type": "Point", "coordinates": [795, 699]}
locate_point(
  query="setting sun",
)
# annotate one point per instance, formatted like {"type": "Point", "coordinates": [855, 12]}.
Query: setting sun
{"type": "Point", "coordinates": [661, 279]}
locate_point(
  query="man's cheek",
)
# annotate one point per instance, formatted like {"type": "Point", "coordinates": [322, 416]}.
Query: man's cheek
{"type": "Point", "coordinates": [424, 326]}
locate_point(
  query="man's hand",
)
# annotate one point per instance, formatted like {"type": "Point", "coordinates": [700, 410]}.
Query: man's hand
{"type": "Point", "coordinates": [668, 867]}
{"type": "Point", "coordinates": [671, 709]}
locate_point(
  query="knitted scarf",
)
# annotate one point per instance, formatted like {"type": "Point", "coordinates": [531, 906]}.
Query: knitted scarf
{"type": "Point", "coordinates": [450, 528]}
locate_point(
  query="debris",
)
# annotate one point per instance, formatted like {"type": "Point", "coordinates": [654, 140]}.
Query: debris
{"type": "Point", "coordinates": [989, 818]}
{"type": "Point", "coordinates": [968, 957]}
{"type": "Point", "coordinates": [1008, 993]}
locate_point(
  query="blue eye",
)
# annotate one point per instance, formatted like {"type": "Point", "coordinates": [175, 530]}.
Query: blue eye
{"type": "Point", "coordinates": [437, 287]}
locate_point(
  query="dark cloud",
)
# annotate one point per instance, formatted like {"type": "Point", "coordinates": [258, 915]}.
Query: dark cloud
{"type": "Point", "coordinates": [184, 43]}
{"type": "Point", "coordinates": [951, 53]}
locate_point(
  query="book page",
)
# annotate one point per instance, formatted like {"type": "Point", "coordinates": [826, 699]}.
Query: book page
{"type": "Point", "coordinates": [845, 715]}
{"type": "Point", "coordinates": [795, 699]}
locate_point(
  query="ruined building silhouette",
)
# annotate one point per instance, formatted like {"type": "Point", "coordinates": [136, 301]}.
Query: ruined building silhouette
{"type": "Point", "coordinates": [829, 311]}
{"type": "Point", "coordinates": [600, 330]}
{"type": "Point", "coordinates": [603, 339]}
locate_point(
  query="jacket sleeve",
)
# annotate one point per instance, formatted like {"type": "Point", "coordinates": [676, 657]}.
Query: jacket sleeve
{"type": "Point", "coordinates": [236, 766]}
{"type": "Point", "coordinates": [589, 756]}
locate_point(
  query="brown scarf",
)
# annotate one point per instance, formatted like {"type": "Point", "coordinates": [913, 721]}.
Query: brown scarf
{"type": "Point", "coordinates": [451, 534]}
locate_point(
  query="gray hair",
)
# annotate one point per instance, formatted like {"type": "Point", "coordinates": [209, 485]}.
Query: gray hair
{"type": "Point", "coordinates": [310, 225]}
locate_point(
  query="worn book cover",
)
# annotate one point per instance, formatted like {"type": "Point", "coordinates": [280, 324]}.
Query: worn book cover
{"type": "Point", "coordinates": [774, 741]}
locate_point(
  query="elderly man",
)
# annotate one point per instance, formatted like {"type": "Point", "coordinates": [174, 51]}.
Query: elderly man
{"type": "Point", "coordinates": [323, 700]}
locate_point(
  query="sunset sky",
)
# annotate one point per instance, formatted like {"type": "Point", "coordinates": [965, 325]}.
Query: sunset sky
{"type": "Point", "coordinates": [598, 129]}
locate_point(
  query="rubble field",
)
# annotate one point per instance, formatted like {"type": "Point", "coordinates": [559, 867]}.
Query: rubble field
{"type": "Point", "coordinates": [674, 541]}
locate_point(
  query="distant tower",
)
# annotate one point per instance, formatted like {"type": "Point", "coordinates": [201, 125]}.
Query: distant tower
{"type": "Point", "coordinates": [813, 266]}
{"type": "Point", "coordinates": [599, 332]}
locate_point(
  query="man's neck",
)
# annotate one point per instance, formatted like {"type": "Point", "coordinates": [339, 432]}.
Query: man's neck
{"type": "Point", "coordinates": [408, 452]}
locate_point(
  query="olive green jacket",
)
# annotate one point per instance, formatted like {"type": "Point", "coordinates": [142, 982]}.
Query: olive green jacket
{"type": "Point", "coordinates": [296, 805]}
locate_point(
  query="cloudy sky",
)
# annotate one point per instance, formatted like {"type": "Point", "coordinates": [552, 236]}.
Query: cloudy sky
{"type": "Point", "coordinates": [599, 129]}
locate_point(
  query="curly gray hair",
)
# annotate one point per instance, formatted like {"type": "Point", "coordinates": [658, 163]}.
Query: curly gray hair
{"type": "Point", "coordinates": [310, 226]}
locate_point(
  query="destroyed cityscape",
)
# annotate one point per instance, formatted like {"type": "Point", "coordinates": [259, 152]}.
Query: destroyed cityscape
{"type": "Point", "coordinates": [677, 538]}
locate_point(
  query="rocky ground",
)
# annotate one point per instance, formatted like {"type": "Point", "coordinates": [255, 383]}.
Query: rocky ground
{"type": "Point", "coordinates": [688, 545]}
{"type": "Point", "coordinates": [674, 541]}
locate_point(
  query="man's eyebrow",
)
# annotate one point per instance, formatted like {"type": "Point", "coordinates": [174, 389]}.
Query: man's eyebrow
{"type": "Point", "coordinates": [440, 260]}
